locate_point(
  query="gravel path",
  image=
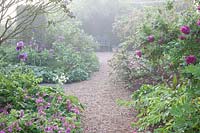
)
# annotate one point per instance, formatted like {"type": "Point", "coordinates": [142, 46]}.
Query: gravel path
{"type": "Point", "coordinates": [99, 94]}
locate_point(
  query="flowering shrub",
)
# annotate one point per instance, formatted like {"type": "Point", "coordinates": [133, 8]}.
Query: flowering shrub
{"type": "Point", "coordinates": [27, 107]}
{"type": "Point", "coordinates": [63, 60]}
{"type": "Point", "coordinates": [169, 42]}
{"type": "Point", "coordinates": [166, 39]}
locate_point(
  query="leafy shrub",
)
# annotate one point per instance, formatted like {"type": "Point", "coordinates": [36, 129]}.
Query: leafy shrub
{"type": "Point", "coordinates": [158, 39]}
{"type": "Point", "coordinates": [64, 60]}
{"type": "Point", "coordinates": [28, 107]}
{"type": "Point", "coordinates": [169, 109]}
{"type": "Point", "coordinates": [166, 45]}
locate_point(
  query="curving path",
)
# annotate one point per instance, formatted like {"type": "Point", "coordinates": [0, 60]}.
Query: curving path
{"type": "Point", "coordinates": [99, 94]}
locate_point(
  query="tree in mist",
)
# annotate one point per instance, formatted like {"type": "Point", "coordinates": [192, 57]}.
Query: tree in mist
{"type": "Point", "coordinates": [12, 23]}
{"type": "Point", "coordinates": [97, 17]}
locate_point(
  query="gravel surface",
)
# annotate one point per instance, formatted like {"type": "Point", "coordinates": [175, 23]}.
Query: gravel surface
{"type": "Point", "coordinates": [99, 95]}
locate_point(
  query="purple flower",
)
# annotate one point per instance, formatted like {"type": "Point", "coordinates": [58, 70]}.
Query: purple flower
{"type": "Point", "coordinates": [161, 41]}
{"type": "Point", "coordinates": [61, 38]}
{"type": "Point", "coordinates": [19, 128]}
{"type": "Point", "coordinates": [151, 38]}
{"type": "Point", "coordinates": [23, 57]}
{"type": "Point", "coordinates": [2, 131]}
{"type": "Point", "coordinates": [198, 22]}
{"type": "Point", "coordinates": [68, 130]}
{"type": "Point", "coordinates": [47, 129]}
{"type": "Point", "coordinates": [138, 53]}
{"type": "Point", "coordinates": [181, 37]}
{"type": "Point", "coordinates": [69, 106]}
{"type": "Point", "coordinates": [41, 112]}
{"type": "Point", "coordinates": [29, 123]}
{"type": "Point", "coordinates": [10, 129]}
{"type": "Point", "coordinates": [76, 111]}
{"type": "Point", "coordinates": [48, 105]}
{"type": "Point", "coordinates": [21, 113]}
{"type": "Point", "coordinates": [185, 29]}
{"type": "Point", "coordinates": [191, 59]}
{"type": "Point", "coordinates": [20, 45]}
{"type": "Point", "coordinates": [39, 100]}
{"type": "Point", "coordinates": [198, 8]}
{"type": "Point", "coordinates": [5, 112]}
{"type": "Point", "coordinates": [65, 124]}
{"type": "Point", "coordinates": [59, 98]}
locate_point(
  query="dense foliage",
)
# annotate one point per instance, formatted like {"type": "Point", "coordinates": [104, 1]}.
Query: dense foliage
{"type": "Point", "coordinates": [27, 107]}
{"type": "Point", "coordinates": [165, 47]}
{"type": "Point", "coordinates": [68, 57]}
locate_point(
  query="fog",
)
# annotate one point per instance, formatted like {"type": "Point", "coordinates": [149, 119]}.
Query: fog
{"type": "Point", "coordinates": [98, 16]}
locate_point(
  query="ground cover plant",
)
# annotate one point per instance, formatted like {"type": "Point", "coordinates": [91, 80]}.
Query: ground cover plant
{"type": "Point", "coordinates": [27, 107]}
{"type": "Point", "coordinates": [166, 47]}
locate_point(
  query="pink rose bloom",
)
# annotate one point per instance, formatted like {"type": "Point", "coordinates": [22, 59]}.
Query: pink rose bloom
{"type": "Point", "coordinates": [138, 53]}
{"type": "Point", "coordinates": [191, 59]}
{"type": "Point", "coordinates": [182, 37]}
{"type": "Point", "coordinates": [198, 22]}
{"type": "Point", "coordinates": [185, 29]}
{"type": "Point", "coordinates": [151, 38]}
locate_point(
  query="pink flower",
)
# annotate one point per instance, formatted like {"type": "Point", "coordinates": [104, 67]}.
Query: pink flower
{"type": "Point", "coordinates": [39, 100]}
{"type": "Point", "coordinates": [2, 131]}
{"type": "Point", "coordinates": [198, 8]}
{"type": "Point", "coordinates": [151, 38]}
{"type": "Point", "coordinates": [68, 130]}
{"type": "Point", "coordinates": [198, 22]}
{"type": "Point", "coordinates": [138, 53]}
{"type": "Point", "coordinates": [41, 112]}
{"type": "Point", "coordinates": [76, 111]}
{"type": "Point", "coordinates": [30, 123]}
{"type": "Point", "coordinates": [181, 37]}
{"type": "Point", "coordinates": [48, 105]}
{"type": "Point", "coordinates": [191, 59]}
{"type": "Point", "coordinates": [59, 98]}
{"type": "Point", "coordinates": [69, 105]}
{"type": "Point", "coordinates": [185, 29]}
{"type": "Point", "coordinates": [48, 129]}
{"type": "Point", "coordinates": [21, 113]}
{"type": "Point", "coordinates": [10, 129]}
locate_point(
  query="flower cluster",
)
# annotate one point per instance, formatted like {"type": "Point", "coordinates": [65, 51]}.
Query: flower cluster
{"type": "Point", "coordinates": [185, 30]}
{"type": "Point", "coordinates": [19, 47]}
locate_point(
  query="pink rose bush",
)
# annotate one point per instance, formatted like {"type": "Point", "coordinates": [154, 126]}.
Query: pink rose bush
{"type": "Point", "coordinates": [175, 65]}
